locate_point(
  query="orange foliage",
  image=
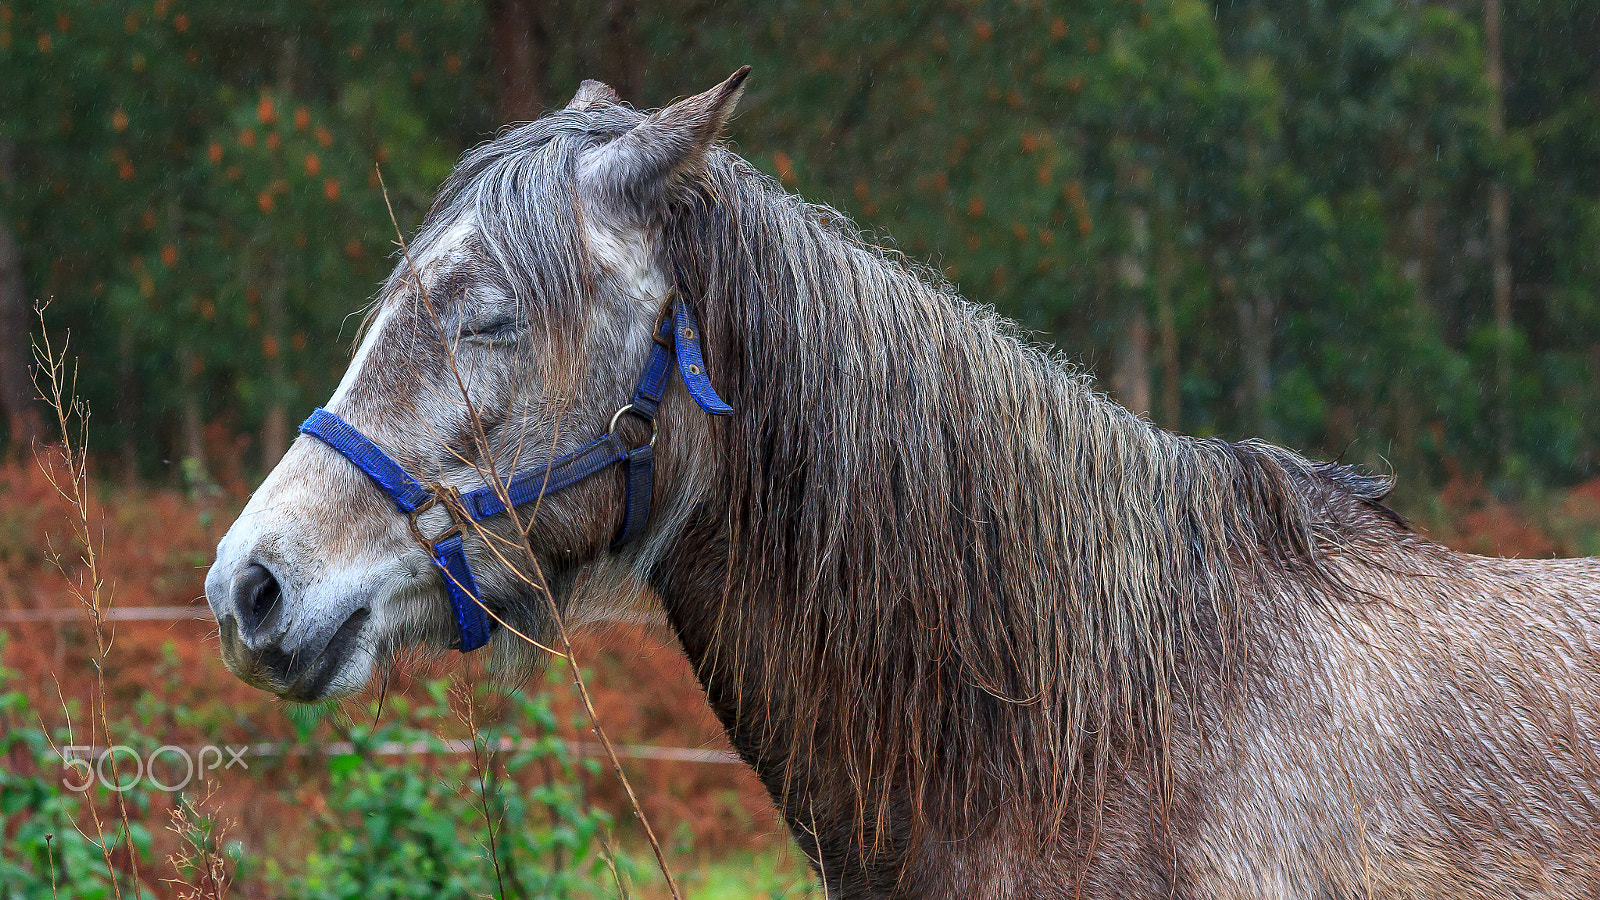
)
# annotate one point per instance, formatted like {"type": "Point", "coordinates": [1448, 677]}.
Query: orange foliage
{"type": "Point", "coordinates": [1478, 522]}
{"type": "Point", "coordinates": [785, 168]}
{"type": "Point", "coordinates": [158, 543]}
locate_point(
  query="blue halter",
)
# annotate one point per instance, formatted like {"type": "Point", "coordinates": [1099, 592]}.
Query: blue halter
{"type": "Point", "coordinates": [676, 336]}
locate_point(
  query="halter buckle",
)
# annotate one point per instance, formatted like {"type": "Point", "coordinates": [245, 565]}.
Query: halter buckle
{"type": "Point", "coordinates": [447, 497]}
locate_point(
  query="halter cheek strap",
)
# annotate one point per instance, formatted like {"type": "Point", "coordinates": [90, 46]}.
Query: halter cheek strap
{"type": "Point", "coordinates": [677, 336]}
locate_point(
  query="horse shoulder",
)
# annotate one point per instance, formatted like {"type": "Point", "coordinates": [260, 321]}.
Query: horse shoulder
{"type": "Point", "coordinates": [1431, 727]}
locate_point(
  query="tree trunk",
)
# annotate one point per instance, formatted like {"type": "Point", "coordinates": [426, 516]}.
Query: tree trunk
{"type": "Point", "coordinates": [1421, 248]}
{"type": "Point", "coordinates": [191, 449]}
{"type": "Point", "coordinates": [274, 316]}
{"type": "Point", "coordinates": [17, 392]}
{"type": "Point", "coordinates": [622, 62]}
{"type": "Point", "coordinates": [1256, 314]}
{"type": "Point", "coordinates": [1131, 376]}
{"type": "Point", "coordinates": [521, 58]}
{"type": "Point", "coordinates": [1253, 310]}
{"type": "Point", "coordinates": [1171, 376]}
{"type": "Point", "coordinates": [1499, 238]}
{"type": "Point", "coordinates": [274, 312]}
{"type": "Point", "coordinates": [127, 405]}
{"type": "Point", "coordinates": [191, 420]}
{"type": "Point", "coordinates": [1132, 380]}
{"type": "Point", "coordinates": [1253, 303]}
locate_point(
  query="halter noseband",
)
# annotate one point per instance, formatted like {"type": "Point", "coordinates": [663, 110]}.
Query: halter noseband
{"type": "Point", "coordinates": [677, 335]}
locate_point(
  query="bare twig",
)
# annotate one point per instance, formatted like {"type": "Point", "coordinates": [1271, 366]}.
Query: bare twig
{"type": "Point", "coordinates": [479, 433]}
{"type": "Point", "coordinates": [588, 705]}
{"type": "Point", "coordinates": [59, 391]}
{"type": "Point", "coordinates": [483, 767]}
{"type": "Point", "coordinates": [610, 857]}
{"type": "Point", "coordinates": [816, 837]}
{"type": "Point", "coordinates": [50, 856]}
{"type": "Point", "coordinates": [198, 852]}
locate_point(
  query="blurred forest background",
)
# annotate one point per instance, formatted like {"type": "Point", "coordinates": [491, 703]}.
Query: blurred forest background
{"type": "Point", "coordinates": [1368, 229]}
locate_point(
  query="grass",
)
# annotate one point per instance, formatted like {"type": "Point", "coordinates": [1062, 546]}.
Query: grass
{"type": "Point", "coordinates": [773, 874]}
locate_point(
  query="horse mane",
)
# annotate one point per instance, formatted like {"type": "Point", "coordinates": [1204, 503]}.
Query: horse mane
{"type": "Point", "coordinates": [954, 569]}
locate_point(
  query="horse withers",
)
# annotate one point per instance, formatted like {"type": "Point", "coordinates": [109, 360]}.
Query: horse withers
{"type": "Point", "coordinates": [979, 631]}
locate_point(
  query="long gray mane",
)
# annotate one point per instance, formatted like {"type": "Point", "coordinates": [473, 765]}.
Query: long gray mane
{"type": "Point", "coordinates": [952, 568]}
{"type": "Point", "coordinates": [946, 549]}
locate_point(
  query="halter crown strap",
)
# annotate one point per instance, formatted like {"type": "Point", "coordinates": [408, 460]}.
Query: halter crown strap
{"type": "Point", "coordinates": [692, 363]}
{"type": "Point", "coordinates": [677, 335]}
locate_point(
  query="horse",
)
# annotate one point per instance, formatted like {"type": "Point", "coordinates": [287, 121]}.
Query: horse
{"type": "Point", "coordinates": [980, 631]}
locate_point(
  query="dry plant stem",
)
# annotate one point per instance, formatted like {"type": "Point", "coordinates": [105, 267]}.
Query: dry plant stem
{"type": "Point", "coordinates": [94, 814]}
{"type": "Point", "coordinates": [616, 765]}
{"type": "Point", "coordinates": [50, 855]}
{"type": "Point", "coordinates": [215, 867]}
{"type": "Point", "coordinates": [487, 468]}
{"type": "Point", "coordinates": [196, 851]}
{"type": "Point", "coordinates": [611, 864]}
{"type": "Point", "coordinates": [59, 392]}
{"type": "Point", "coordinates": [482, 765]}
{"type": "Point", "coordinates": [822, 872]}
{"type": "Point", "coordinates": [469, 718]}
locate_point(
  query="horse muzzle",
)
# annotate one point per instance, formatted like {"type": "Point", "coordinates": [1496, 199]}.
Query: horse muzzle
{"type": "Point", "coordinates": [298, 657]}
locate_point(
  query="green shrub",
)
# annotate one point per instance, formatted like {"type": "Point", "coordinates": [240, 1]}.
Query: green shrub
{"type": "Point", "coordinates": [396, 829]}
{"type": "Point", "coordinates": [396, 826]}
{"type": "Point", "coordinates": [45, 856]}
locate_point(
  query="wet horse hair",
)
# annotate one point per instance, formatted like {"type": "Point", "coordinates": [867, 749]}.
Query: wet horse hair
{"type": "Point", "coordinates": [982, 632]}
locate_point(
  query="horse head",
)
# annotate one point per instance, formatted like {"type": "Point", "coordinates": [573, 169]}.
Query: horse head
{"type": "Point", "coordinates": [501, 353]}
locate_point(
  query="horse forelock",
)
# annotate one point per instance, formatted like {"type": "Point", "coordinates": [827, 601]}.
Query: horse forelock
{"type": "Point", "coordinates": [978, 577]}
{"type": "Point", "coordinates": [511, 217]}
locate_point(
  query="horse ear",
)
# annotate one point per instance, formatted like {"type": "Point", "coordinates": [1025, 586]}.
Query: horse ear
{"type": "Point", "coordinates": [666, 144]}
{"type": "Point", "coordinates": [591, 94]}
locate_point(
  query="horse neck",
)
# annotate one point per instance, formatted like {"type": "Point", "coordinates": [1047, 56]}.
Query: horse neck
{"type": "Point", "coordinates": [912, 590]}
{"type": "Point", "coordinates": [940, 584]}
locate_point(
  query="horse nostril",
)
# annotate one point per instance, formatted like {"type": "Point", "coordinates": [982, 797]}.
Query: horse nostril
{"type": "Point", "coordinates": [255, 595]}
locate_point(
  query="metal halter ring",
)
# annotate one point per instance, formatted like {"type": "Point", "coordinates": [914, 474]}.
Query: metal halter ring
{"type": "Point", "coordinates": [617, 417]}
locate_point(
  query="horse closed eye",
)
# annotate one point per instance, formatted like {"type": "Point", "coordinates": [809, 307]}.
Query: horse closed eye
{"type": "Point", "coordinates": [500, 328]}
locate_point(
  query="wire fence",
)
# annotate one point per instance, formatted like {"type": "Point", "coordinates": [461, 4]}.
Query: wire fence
{"type": "Point", "coordinates": [385, 748]}
{"type": "Point", "coordinates": [114, 614]}
{"type": "Point", "coordinates": [451, 747]}
{"type": "Point", "coordinates": [59, 616]}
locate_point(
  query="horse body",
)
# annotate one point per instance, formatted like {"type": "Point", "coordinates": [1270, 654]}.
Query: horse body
{"type": "Point", "coordinates": [1410, 722]}
{"type": "Point", "coordinates": [1434, 738]}
{"type": "Point", "coordinates": [980, 631]}
{"type": "Point", "coordinates": [1420, 743]}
